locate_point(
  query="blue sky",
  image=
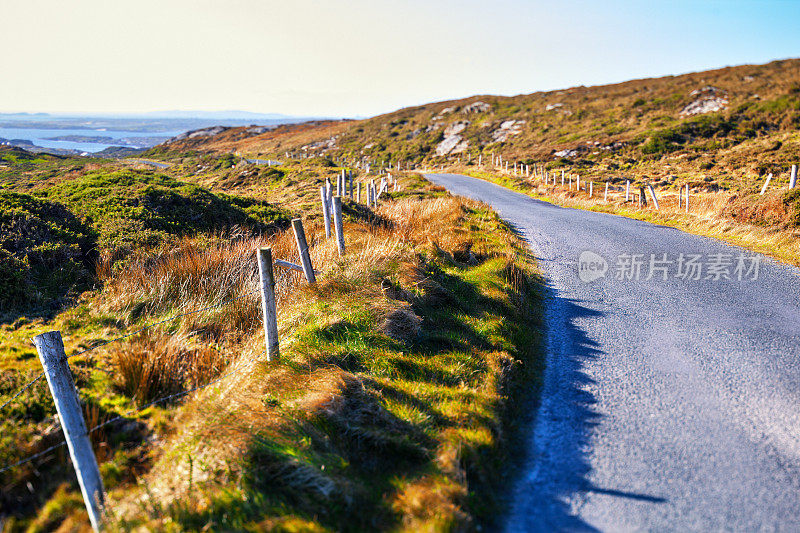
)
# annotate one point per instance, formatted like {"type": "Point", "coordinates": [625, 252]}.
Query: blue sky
{"type": "Point", "coordinates": [361, 57]}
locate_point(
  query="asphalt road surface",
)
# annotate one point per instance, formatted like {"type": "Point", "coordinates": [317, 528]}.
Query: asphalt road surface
{"type": "Point", "coordinates": [668, 404]}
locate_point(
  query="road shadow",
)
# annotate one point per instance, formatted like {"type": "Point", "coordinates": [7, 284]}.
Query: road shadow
{"type": "Point", "coordinates": [554, 479]}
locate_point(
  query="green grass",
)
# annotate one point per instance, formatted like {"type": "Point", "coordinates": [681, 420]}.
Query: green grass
{"type": "Point", "coordinates": [403, 407]}
{"type": "Point", "coordinates": [135, 208]}
{"type": "Point", "coordinates": [46, 254]}
{"type": "Point", "coordinates": [395, 404]}
{"type": "Point", "coordinates": [71, 214]}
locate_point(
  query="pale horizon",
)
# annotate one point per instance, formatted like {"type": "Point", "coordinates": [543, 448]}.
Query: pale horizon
{"type": "Point", "coordinates": [359, 59]}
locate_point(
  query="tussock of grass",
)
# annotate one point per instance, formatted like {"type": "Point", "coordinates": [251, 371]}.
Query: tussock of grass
{"type": "Point", "coordinates": [153, 365]}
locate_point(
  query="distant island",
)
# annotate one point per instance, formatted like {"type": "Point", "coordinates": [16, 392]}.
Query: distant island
{"type": "Point", "coordinates": [137, 142]}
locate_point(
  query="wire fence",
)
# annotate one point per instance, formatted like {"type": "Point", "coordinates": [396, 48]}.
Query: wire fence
{"type": "Point", "coordinates": [129, 414]}
{"type": "Point", "coordinates": [286, 276]}
{"type": "Point", "coordinates": [273, 286]}
{"type": "Point", "coordinates": [281, 280]}
{"type": "Point", "coordinates": [123, 337]}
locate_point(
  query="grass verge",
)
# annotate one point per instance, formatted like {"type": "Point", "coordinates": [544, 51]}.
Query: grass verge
{"type": "Point", "coordinates": [394, 406]}
{"type": "Point", "coordinates": [762, 224]}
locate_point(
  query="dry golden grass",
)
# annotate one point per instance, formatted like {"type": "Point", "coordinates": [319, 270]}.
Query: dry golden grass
{"type": "Point", "coordinates": [759, 223]}
{"type": "Point", "coordinates": [258, 426]}
{"type": "Point", "coordinates": [153, 364]}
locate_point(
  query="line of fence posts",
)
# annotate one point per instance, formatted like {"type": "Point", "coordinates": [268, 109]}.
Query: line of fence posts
{"type": "Point", "coordinates": [641, 197]}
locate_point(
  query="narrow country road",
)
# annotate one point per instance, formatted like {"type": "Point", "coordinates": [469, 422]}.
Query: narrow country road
{"type": "Point", "coordinates": [668, 404]}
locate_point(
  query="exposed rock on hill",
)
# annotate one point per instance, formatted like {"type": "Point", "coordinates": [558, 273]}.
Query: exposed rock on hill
{"type": "Point", "coordinates": [476, 107]}
{"type": "Point", "coordinates": [507, 129]}
{"type": "Point", "coordinates": [711, 100]}
{"type": "Point", "coordinates": [452, 142]}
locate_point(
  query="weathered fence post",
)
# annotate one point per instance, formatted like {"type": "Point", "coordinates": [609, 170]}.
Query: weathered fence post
{"type": "Point", "coordinates": [627, 190]}
{"type": "Point", "coordinates": [269, 307]}
{"type": "Point", "coordinates": [562, 178]}
{"type": "Point", "coordinates": [680, 197]}
{"type": "Point", "coordinates": [62, 387]}
{"type": "Point", "coordinates": [642, 197]}
{"type": "Point", "coordinates": [591, 188]}
{"type": "Point", "coordinates": [766, 183]}
{"type": "Point", "coordinates": [605, 196]}
{"type": "Point", "coordinates": [653, 194]}
{"type": "Point", "coordinates": [337, 222]}
{"type": "Point", "coordinates": [358, 192]}
{"type": "Point", "coordinates": [302, 249]}
{"type": "Point", "coordinates": [578, 182]}
{"type": "Point", "coordinates": [325, 211]}
{"type": "Point", "coordinates": [686, 203]}
{"type": "Point", "coordinates": [793, 177]}
{"type": "Point", "coordinates": [350, 184]}
{"type": "Point", "coordinates": [570, 182]}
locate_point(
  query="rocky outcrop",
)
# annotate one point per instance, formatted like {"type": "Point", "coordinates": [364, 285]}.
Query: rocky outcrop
{"type": "Point", "coordinates": [507, 129]}
{"type": "Point", "coordinates": [205, 132]}
{"type": "Point", "coordinates": [711, 99]}
{"type": "Point", "coordinates": [453, 141]}
{"type": "Point", "coordinates": [443, 112]}
{"type": "Point", "coordinates": [476, 107]}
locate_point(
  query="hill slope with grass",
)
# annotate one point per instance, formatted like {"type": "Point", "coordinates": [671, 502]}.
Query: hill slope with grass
{"type": "Point", "coordinates": [728, 125]}
{"type": "Point", "coordinates": [719, 132]}
{"type": "Point", "coordinates": [395, 405]}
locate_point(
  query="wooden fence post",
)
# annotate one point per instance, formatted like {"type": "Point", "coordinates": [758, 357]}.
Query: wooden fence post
{"type": "Point", "coordinates": [642, 197]}
{"type": "Point", "coordinates": [562, 178]}
{"type": "Point", "coordinates": [302, 249]}
{"type": "Point", "coordinates": [358, 192]}
{"type": "Point", "coordinates": [337, 222]}
{"type": "Point", "coordinates": [605, 197]}
{"type": "Point", "coordinates": [325, 211]}
{"type": "Point", "coordinates": [269, 307]}
{"type": "Point", "coordinates": [793, 177]}
{"type": "Point", "coordinates": [591, 188]}
{"type": "Point", "coordinates": [766, 183]}
{"type": "Point", "coordinates": [686, 203]}
{"type": "Point", "coordinates": [680, 197]}
{"type": "Point", "coordinates": [62, 387]}
{"type": "Point", "coordinates": [627, 190]}
{"type": "Point", "coordinates": [653, 194]}
{"type": "Point", "coordinates": [350, 184]}
{"type": "Point", "coordinates": [578, 181]}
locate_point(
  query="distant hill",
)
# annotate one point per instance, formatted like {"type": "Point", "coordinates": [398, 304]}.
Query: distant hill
{"type": "Point", "coordinates": [727, 125]}
{"type": "Point", "coordinates": [236, 115]}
